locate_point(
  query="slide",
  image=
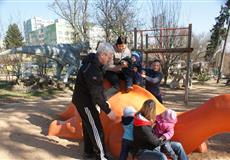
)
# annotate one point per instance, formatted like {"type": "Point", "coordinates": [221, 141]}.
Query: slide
{"type": "Point", "coordinates": [192, 129]}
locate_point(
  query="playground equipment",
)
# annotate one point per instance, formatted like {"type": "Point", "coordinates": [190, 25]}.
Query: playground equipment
{"type": "Point", "coordinates": [63, 54]}
{"type": "Point", "coordinates": [165, 41]}
{"type": "Point", "coordinates": [192, 129]}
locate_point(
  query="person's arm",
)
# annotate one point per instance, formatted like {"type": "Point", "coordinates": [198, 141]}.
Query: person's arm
{"type": "Point", "coordinates": [152, 80]}
{"type": "Point", "coordinates": [94, 81]}
{"type": "Point", "coordinates": [112, 67]}
{"type": "Point", "coordinates": [151, 138]}
{"type": "Point", "coordinates": [169, 133]}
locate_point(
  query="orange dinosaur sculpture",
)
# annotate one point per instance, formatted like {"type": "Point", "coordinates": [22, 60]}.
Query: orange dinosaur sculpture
{"type": "Point", "coordinates": [193, 127]}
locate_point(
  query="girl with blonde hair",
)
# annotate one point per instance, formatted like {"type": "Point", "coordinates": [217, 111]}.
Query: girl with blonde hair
{"type": "Point", "coordinates": [146, 143]}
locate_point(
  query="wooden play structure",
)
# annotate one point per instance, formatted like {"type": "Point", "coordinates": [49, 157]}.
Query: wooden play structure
{"type": "Point", "coordinates": [164, 41]}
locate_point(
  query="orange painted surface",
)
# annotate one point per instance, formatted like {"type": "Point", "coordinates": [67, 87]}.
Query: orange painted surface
{"type": "Point", "coordinates": [202, 148]}
{"type": "Point", "coordinates": [193, 127]}
{"type": "Point", "coordinates": [197, 125]}
{"type": "Point", "coordinates": [71, 128]}
{"type": "Point", "coordinates": [69, 112]}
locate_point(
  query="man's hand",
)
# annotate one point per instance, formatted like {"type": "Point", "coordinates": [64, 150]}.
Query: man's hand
{"type": "Point", "coordinates": [124, 64]}
{"type": "Point", "coordinates": [162, 138]}
{"type": "Point", "coordinates": [143, 75]}
{"type": "Point", "coordinates": [112, 115]}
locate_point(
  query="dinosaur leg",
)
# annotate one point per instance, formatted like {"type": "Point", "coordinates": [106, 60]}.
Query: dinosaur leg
{"type": "Point", "coordinates": [70, 70]}
{"type": "Point", "coordinates": [58, 71]}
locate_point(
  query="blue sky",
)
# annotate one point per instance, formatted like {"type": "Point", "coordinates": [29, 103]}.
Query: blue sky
{"type": "Point", "coordinates": [201, 13]}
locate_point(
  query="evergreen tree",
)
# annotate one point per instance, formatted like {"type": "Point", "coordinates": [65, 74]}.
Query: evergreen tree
{"type": "Point", "coordinates": [13, 37]}
{"type": "Point", "coordinates": [218, 31]}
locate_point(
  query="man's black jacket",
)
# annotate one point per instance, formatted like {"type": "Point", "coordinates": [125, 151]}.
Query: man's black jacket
{"type": "Point", "coordinates": [89, 83]}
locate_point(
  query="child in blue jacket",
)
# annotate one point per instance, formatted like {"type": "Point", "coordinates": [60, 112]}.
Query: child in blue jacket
{"type": "Point", "coordinates": [127, 139]}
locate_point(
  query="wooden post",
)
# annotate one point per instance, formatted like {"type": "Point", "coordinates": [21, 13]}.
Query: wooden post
{"type": "Point", "coordinates": [161, 38]}
{"type": "Point", "coordinates": [188, 64]}
{"type": "Point", "coordinates": [141, 40]}
{"type": "Point", "coordinates": [146, 59]}
{"type": "Point", "coordinates": [135, 38]}
{"type": "Point", "coordinates": [147, 41]}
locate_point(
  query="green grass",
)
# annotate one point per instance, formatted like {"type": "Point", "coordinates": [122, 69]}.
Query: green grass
{"type": "Point", "coordinates": [7, 93]}
{"type": "Point", "coordinates": [46, 93]}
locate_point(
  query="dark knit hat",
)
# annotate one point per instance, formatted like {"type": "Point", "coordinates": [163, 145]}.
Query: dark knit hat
{"type": "Point", "coordinates": [121, 40]}
{"type": "Point", "coordinates": [137, 55]}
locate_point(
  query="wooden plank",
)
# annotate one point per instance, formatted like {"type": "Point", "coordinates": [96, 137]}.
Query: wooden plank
{"type": "Point", "coordinates": [163, 50]}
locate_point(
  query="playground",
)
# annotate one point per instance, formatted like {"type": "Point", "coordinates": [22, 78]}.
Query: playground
{"type": "Point", "coordinates": [24, 125]}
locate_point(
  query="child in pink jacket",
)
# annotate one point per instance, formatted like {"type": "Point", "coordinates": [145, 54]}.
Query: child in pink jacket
{"type": "Point", "coordinates": [164, 129]}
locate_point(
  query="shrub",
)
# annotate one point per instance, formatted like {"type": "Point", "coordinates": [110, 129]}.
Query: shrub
{"type": "Point", "coordinates": [203, 77]}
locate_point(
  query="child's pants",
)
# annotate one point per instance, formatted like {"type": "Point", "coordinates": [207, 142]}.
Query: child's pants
{"type": "Point", "coordinates": [167, 149]}
{"type": "Point", "coordinates": [126, 147]}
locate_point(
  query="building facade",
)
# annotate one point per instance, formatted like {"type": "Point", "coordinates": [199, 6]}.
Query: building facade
{"type": "Point", "coordinates": [33, 24]}
{"type": "Point", "coordinates": [58, 32]}
{"type": "Point", "coordinates": [1, 45]}
{"type": "Point", "coordinates": [96, 34]}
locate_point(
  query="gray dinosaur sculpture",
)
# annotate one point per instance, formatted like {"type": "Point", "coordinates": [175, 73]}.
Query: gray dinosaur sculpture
{"type": "Point", "coordinates": [63, 54]}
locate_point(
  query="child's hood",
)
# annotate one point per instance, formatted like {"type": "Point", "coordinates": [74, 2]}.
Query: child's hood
{"type": "Point", "coordinates": [140, 120]}
{"type": "Point", "coordinates": [160, 118]}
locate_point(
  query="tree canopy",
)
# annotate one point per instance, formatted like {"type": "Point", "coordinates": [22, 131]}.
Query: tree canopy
{"type": "Point", "coordinates": [13, 37]}
{"type": "Point", "coordinates": [218, 31]}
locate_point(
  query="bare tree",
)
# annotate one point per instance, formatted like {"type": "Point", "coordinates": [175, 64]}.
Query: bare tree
{"type": "Point", "coordinates": [116, 17]}
{"type": "Point", "coordinates": [199, 43]}
{"type": "Point", "coordinates": [75, 12]}
{"type": "Point", "coordinates": [166, 14]}
{"type": "Point", "coordinates": [105, 16]}
{"type": "Point", "coordinates": [11, 66]}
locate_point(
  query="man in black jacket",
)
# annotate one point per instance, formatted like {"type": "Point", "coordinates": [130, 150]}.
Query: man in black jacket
{"type": "Point", "coordinates": [153, 77]}
{"type": "Point", "coordinates": [88, 93]}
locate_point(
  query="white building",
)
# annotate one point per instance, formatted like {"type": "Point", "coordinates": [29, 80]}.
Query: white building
{"type": "Point", "coordinates": [96, 34]}
{"type": "Point", "coordinates": [58, 32]}
{"type": "Point", "coordinates": [64, 32]}
{"type": "Point", "coordinates": [1, 45]}
{"type": "Point", "coordinates": [33, 24]}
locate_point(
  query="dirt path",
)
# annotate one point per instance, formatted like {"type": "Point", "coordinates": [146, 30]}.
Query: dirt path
{"type": "Point", "coordinates": [24, 126]}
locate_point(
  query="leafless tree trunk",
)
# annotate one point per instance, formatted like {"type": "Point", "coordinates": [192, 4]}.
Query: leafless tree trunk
{"type": "Point", "coordinates": [75, 12]}
{"type": "Point", "coordinates": [199, 45]}
{"type": "Point", "coordinates": [85, 16]}
{"type": "Point", "coordinates": [166, 14]}
{"type": "Point", "coordinates": [116, 17]}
